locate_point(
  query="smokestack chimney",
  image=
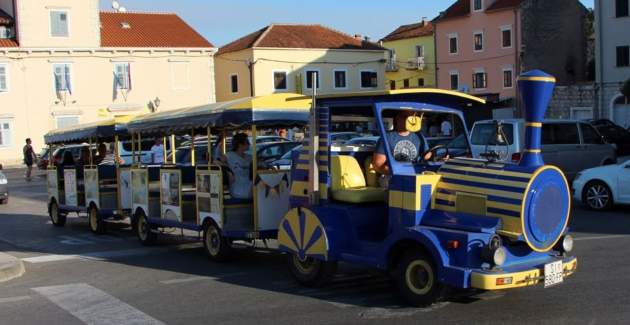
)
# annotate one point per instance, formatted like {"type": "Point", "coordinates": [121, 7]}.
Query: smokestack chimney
{"type": "Point", "coordinates": [536, 89]}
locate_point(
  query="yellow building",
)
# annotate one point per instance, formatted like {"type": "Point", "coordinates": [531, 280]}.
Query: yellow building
{"type": "Point", "coordinates": [284, 58]}
{"type": "Point", "coordinates": [64, 62]}
{"type": "Point", "coordinates": [411, 57]}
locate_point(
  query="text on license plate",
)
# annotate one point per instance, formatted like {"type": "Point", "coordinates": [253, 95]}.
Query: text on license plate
{"type": "Point", "coordinates": [553, 273]}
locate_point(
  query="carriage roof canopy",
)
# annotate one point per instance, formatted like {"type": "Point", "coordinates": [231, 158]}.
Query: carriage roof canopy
{"type": "Point", "coordinates": [265, 111]}
{"type": "Point", "coordinates": [83, 132]}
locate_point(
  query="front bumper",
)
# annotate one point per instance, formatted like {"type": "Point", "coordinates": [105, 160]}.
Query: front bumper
{"type": "Point", "coordinates": [487, 280]}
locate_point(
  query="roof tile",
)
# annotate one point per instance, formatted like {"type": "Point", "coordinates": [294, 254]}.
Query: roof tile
{"type": "Point", "coordinates": [148, 30]}
{"type": "Point", "coordinates": [8, 43]}
{"type": "Point", "coordinates": [410, 31]}
{"type": "Point", "coordinates": [298, 36]}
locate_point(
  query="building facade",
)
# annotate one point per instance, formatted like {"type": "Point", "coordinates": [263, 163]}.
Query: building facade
{"type": "Point", "coordinates": [612, 44]}
{"type": "Point", "coordinates": [284, 58]}
{"type": "Point", "coordinates": [483, 45]}
{"type": "Point", "coordinates": [64, 62]}
{"type": "Point", "coordinates": [411, 56]}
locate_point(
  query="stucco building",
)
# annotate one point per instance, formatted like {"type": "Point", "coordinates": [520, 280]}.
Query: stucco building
{"type": "Point", "coordinates": [411, 56]}
{"type": "Point", "coordinates": [612, 23]}
{"type": "Point", "coordinates": [64, 62]}
{"type": "Point", "coordinates": [284, 58]}
{"type": "Point", "coordinates": [483, 45]}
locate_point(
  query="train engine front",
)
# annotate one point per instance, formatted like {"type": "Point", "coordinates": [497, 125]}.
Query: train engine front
{"type": "Point", "coordinates": [525, 207]}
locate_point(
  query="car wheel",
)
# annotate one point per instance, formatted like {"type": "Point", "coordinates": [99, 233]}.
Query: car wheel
{"type": "Point", "coordinates": [143, 228]}
{"type": "Point", "coordinates": [58, 219]}
{"type": "Point", "coordinates": [417, 280]}
{"type": "Point", "coordinates": [217, 247]}
{"type": "Point", "coordinates": [597, 196]}
{"type": "Point", "coordinates": [97, 225]}
{"type": "Point", "coordinates": [311, 272]}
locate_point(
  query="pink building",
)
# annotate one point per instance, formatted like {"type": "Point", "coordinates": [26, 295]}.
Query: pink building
{"type": "Point", "coordinates": [483, 45]}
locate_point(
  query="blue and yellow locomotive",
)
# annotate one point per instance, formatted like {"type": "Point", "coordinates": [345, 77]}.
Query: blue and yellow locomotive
{"type": "Point", "coordinates": [433, 223]}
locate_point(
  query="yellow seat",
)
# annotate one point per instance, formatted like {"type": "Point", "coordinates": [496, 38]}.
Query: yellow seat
{"type": "Point", "coordinates": [348, 183]}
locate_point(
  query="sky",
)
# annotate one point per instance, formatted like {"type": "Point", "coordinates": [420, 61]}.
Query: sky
{"type": "Point", "coordinates": [221, 22]}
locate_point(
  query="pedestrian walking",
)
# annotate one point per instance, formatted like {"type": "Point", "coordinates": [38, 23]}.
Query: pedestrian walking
{"type": "Point", "coordinates": [29, 158]}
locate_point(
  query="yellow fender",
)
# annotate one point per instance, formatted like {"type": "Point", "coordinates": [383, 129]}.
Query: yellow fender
{"type": "Point", "coordinates": [300, 232]}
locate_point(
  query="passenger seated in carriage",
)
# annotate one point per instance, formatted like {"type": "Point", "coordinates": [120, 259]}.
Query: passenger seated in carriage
{"type": "Point", "coordinates": [239, 163]}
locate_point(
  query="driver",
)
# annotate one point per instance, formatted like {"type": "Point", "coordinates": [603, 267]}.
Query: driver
{"type": "Point", "coordinates": [406, 146]}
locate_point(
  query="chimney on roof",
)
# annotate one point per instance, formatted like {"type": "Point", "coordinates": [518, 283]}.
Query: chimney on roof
{"type": "Point", "coordinates": [358, 36]}
{"type": "Point", "coordinates": [423, 21]}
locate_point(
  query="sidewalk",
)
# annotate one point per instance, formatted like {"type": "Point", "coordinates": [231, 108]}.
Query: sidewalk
{"type": "Point", "coordinates": [10, 267]}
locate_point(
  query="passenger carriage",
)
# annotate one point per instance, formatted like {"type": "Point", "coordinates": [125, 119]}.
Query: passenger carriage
{"type": "Point", "coordinates": [102, 192]}
{"type": "Point", "coordinates": [192, 195]}
{"type": "Point", "coordinates": [451, 222]}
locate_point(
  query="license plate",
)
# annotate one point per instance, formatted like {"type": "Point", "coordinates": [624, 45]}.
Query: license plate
{"type": "Point", "coordinates": [553, 273]}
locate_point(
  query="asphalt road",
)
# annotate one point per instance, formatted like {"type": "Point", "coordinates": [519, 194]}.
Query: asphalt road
{"type": "Point", "coordinates": [74, 277]}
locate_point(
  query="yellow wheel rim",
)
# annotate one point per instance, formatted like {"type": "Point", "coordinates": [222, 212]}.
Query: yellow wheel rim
{"type": "Point", "coordinates": [305, 267]}
{"type": "Point", "coordinates": [419, 277]}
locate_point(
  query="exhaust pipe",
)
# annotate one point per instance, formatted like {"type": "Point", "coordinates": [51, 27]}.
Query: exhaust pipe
{"type": "Point", "coordinates": [536, 88]}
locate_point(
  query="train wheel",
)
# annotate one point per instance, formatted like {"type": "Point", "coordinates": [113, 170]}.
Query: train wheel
{"type": "Point", "coordinates": [143, 229]}
{"type": "Point", "coordinates": [311, 272]}
{"type": "Point", "coordinates": [417, 281]}
{"type": "Point", "coordinates": [97, 225]}
{"type": "Point", "coordinates": [216, 245]}
{"type": "Point", "coordinates": [58, 219]}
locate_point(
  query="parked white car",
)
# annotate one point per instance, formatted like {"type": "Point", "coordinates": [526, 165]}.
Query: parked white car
{"type": "Point", "coordinates": [600, 188]}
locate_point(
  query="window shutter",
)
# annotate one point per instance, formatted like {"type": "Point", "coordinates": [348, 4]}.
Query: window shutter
{"type": "Point", "coordinates": [67, 80]}
{"type": "Point", "coordinates": [3, 78]}
{"type": "Point", "coordinates": [128, 75]}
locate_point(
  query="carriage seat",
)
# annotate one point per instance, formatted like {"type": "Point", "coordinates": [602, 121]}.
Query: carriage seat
{"type": "Point", "coordinates": [348, 182]}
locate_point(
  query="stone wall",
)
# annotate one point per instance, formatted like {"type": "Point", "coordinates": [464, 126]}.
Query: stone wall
{"type": "Point", "coordinates": [566, 97]}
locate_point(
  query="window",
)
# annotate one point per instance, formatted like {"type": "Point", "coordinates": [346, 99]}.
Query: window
{"type": "Point", "coordinates": [478, 41]}
{"type": "Point", "coordinates": [234, 83]}
{"type": "Point", "coordinates": [477, 5]}
{"type": "Point", "coordinates": [621, 7]}
{"type": "Point", "coordinates": [506, 37]}
{"type": "Point", "coordinates": [63, 80]}
{"type": "Point", "coordinates": [5, 133]}
{"type": "Point", "coordinates": [420, 82]}
{"type": "Point", "coordinates": [369, 79]}
{"type": "Point", "coordinates": [309, 78]}
{"type": "Point", "coordinates": [480, 80]}
{"type": "Point", "coordinates": [122, 73]}
{"type": "Point", "coordinates": [561, 133]}
{"type": "Point", "coordinates": [6, 32]}
{"type": "Point", "coordinates": [508, 81]}
{"type": "Point", "coordinates": [419, 51]}
{"type": "Point", "coordinates": [452, 44]}
{"type": "Point", "coordinates": [454, 80]}
{"type": "Point", "coordinates": [623, 56]}
{"type": "Point", "coordinates": [590, 135]}
{"type": "Point", "coordinates": [180, 75]}
{"type": "Point", "coordinates": [341, 81]}
{"type": "Point", "coordinates": [392, 84]}
{"type": "Point", "coordinates": [69, 120]}
{"type": "Point", "coordinates": [484, 134]}
{"type": "Point", "coordinates": [406, 83]}
{"type": "Point", "coordinates": [280, 80]}
{"type": "Point", "coordinates": [59, 23]}
{"type": "Point", "coordinates": [4, 78]}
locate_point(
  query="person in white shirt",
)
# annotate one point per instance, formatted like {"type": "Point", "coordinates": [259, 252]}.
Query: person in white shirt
{"type": "Point", "coordinates": [240, 163]}
{"type": "Point", "coordinates": [157, 152]}
{"type": "Point", "coordinates": [446, 128]}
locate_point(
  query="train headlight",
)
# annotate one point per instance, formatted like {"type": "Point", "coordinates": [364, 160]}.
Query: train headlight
{"type": "Point", "coordinates": [494, 252]}
{"type": "Point", "coordinates": [567, 243]}
{"type": "Point", "coordinates": [499, 256]}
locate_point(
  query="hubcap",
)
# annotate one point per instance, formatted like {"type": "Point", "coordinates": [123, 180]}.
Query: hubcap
{"type": "Point", "coordinates": [93, 219]}
{"type": "Point", "coordinates": [597, 196]}
{"type": "Point", "coordinates": [305, 267]}
{"type": "Point", "coordinates": [419, 277]}
{"type": "Point", "coordinates": [213, 241]}
{"type": "Point", "coordinates": [142, 228]}
{"type": "Point", "coordinates": [54, 213]}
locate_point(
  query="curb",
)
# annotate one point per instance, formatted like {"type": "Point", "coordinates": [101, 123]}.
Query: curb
{"type": "Point", "coordinates": [10, 267]}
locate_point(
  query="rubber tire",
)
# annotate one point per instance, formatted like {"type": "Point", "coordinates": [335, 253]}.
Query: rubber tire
{"type": "Point", "coordinates": [217, 247]}
{"type": "Point", "coordinates": [60, 220]}
{"type": "Point", "coordinates": [143, 230]}
{"type": "Point", "coordinates": [318, 274]}
{"type": "Point", "coordinates": [607, 206]}
{"type": "Point", "coordinates": [433, 292]}
{"type": "Point", "coordinates": [97, 225]}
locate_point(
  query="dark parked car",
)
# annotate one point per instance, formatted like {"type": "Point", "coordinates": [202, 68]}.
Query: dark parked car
{"type": "Point", "coordinates": [614, 134]}
{"type": "Point", "coordinates": [58, 154]}
{"type": "Point", "coordinates": [267, 152]}
{"type": "Point", "coordinates": [343, 137]}
{"type": "Point", "coordinates": [4, 188]}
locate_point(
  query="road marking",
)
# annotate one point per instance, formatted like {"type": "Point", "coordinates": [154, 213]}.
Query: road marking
{"type": "Point", "coordinates": [386, 313]}
{"type": "Point", "coordinates": [601, 237]}
{"type": "Point", "coordinates": [93, 306]}
{"type": "Point", "coordinates": [202, 278]}
{"type": "Point", "coordinates": [105, 255]}
{"type": "Point", "coordinates": [14, 299]}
